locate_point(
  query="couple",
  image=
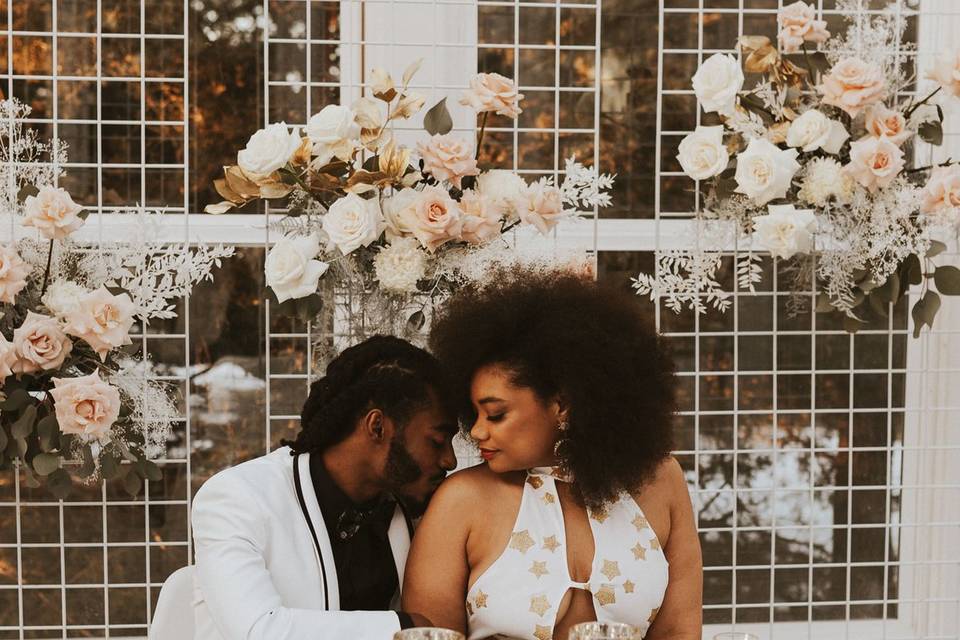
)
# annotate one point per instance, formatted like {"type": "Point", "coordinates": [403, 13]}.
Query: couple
{"type": "Point", "coordinates": [579, 513]}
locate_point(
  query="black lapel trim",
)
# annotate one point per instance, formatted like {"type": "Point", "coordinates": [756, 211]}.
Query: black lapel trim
{"type": "Point", "coordinates": [313, 532]}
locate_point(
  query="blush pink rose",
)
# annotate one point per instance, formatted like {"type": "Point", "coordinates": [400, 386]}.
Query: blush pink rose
{"type": "Point", "coordinates": [853, 85]}
{"type": "Point", "coordinates": [874, 162]}
{"type": "Point", "coordinates": [946, 71]}
{"type": "Point", "coordinates": [13, 273]}
{"type": "Point", "coordinates": [881, 121]}
{"type": "Point", "coordinates": [102, 320]}
{"type": "Point", "coordinates": [448, 158]}
{"type": "Point", "coordinates": [493, 92]}
{"type": "Point", "coordinates": [542, 206]}
{"type": "Point", "coordinates": [39, 344]}
{"type": "Point", "coordinates": [942, 191]}
{"type": "Point", "coordinates": [434, 219]}
{"type": "Point", "coordinates": [86, 406]}
{"type": "Point", "coordinates": [481, 223]}
{"type": "Point", "coordinates": [7, 356]}
{"type": "Point", "coordinates": [53, 213]}
{"type": "Point", "coordinates": [798, 24]}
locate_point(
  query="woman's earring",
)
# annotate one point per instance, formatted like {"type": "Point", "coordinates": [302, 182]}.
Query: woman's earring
{"type": "Point", "coordinates": [562, 428]}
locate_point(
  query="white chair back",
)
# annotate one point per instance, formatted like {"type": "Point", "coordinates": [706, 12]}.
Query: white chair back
{"type": "Point", "coordinates": [173, 618]}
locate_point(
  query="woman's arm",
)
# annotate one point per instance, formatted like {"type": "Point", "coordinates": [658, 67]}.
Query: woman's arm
{"type": "Point", "coordinates": [680, 616]}
{"type": "Point", "coordinates": [435, 580]}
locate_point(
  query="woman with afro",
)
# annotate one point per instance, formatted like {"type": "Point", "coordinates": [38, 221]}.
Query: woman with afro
{"type": "Point", "coordinates": [579, 512]}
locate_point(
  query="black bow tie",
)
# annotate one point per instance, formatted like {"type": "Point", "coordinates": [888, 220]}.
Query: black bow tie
{"type": "Point", "coordinates": [353, 520]}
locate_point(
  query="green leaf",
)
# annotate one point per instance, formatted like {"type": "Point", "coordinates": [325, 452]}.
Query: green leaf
{"type": "Point", "coordinates": [46, 463]}
{"type": "Point", "coordinates": [49, 432]}
{"type": "Point", "coordinates": [28, 478]}
{"type": "Point", "coordinates": [59, 483]}
{"type": "Point", "coordinates": [83, 215]}
{"type": "Point", "coordinates": [132, 483]}
{"type": "Point", "coordinates": [26, 191]}
{"type": "Point", "coordinates": [851, 325]}
{"type": "Point", "coordinates": [17, 399]}
{"type": "Point", "coordinates": [931, 132]}
{"type": "Point", "coordinates": [889, 291]}
{"type": "Point", "coordinates": [818, 60]}
{"type": "Point", "coordinates": [924, 312]}
{"type": "Point", "coordinates": [151, 471]}
{"type": "Point", "coordinates": [109, 466]}
{"type": "Point", "coordinates": [936, 248]}
{"type": "Point", "coordinates": [21, 446]}
{"type": "Point", "coordinates": [947, 279]}
{"type": "Point", "coordinates": [878, 303]}
{"type": "Point", "coordinates": [88, 466]}
{"type": "Point", "coordinates": [416, 321]}
{"type": "Point", "coordinates": [912, 271]}
{"type": "Point", "coordinates": [24, 424]}
{"type": "Point", "coordinates": [438, 119]}
{"type": "Point", "coordinates": [3, 438]}
{"type": "Point", "coordinates": [823, 303]}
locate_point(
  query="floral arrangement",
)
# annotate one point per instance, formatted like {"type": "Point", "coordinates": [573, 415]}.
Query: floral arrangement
{"type": "Point", "coordinates": [383, 231]}
{"type": "Point", "coordinates": [814, 162]}
{"type": "Point", "coordinates": [75, 399]}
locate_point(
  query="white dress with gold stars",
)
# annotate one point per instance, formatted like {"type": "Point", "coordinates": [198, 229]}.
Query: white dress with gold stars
{"type": "Point", "coordinates": [517, 597]}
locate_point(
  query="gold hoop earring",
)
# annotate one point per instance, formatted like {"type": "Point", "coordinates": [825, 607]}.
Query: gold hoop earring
{"type": "Point", "coordinates": [562, 427]}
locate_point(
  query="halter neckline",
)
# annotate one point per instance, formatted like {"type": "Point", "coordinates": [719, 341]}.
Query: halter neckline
{"type": "Point", "coordinates": [557, 473]}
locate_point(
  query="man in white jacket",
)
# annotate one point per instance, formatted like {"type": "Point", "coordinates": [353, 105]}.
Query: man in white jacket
{"type": "Point", "coordinates": [310, 541]}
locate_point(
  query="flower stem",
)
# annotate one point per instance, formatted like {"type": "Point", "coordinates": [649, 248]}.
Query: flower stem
{"type": "Point", "coordinates": [909, 112]}
{"type": "Point", "coordinates": [46, 273]}
{"type": "Point", "coordinates": [483, 128]}
{"type": "Point", "coordinates": [948, 163]}
{"type": "Point", "coordinates": [806, 58]}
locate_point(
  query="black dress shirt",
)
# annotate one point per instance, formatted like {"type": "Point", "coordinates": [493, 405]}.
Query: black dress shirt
{"type": "Point", "coordinates": [362, 554]}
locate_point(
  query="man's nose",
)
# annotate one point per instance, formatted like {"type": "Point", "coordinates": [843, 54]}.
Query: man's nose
{"type": "Point", "coordinates": [448, 459]}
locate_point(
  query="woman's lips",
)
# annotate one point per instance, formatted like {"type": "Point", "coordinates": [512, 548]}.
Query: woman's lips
{"type": "Point", "coordinates": [487, 454]}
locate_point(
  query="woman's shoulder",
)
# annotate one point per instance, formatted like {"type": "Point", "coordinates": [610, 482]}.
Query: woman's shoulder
{"type": "Point", "coordinates": [464, 488]}
{"type": "Point", "coordinates": [668, 480]}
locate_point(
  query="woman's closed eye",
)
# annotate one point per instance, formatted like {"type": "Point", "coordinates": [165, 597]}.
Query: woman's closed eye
{"type": "Point", "coordinates": [496, 418]}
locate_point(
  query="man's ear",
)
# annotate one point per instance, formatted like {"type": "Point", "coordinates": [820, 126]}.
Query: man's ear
{"type": "Point", "coordinates": [374, 425]}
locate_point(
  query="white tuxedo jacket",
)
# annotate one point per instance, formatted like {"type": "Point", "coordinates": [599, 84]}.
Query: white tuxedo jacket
{"type": "Point", "coordinates": [264, 564]}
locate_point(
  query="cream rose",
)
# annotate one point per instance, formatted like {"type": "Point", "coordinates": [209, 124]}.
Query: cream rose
{"type": "Point", "coordinates": [269, 149]}
{"type": "Point", "coordinates": [400, 265]}
{"type": "Point", "coordinates": [53, 213]}
{"type": "Point", "coordinates": [785, 230]}
{"type": "Point", "coordinates": [63, 297]}
{"type": "Point", "coordinates": [881, 121]}
{"type": "Point", "coordinates": [7, 357]}
{"type": "Point", "coordinates": [480, 222]}
{"type": "Point", "coordinates": [435, 219]}
{"type": "Point", "coordinates": [13, 273]}
{"type": "Point", "coordinates": [493, 92]}
{"type": "Point", "coordinates": [853, 85]}
{"type": "Point", "coordinates": [352, 222]}
{"type": "Point", "coordinates": [333, 132]}
{"type": "Point", "coordinates": [86, 406]}
{"type": "Point", "coordinates": [717, 83]}
{"type": "Point", "coordinates": [764, 171]}
{"type": "Point", "coordinates": [942, 191]}
{"type": "Point", "coordinates": [946, 71]}
{"type": "Point", "coordinates": [541, 206]}
{"type": "Point", "coordinates": [501, 189]}
{"type": "Point", "coordinates": [448, 159]}
{"type": "Point", "coordinates": [813, 130]}
{"type": "Point", "coordinates": [40, 344]}
{"type": "Point", "coordinates": [291, 267]}
{"type": "Point", "coordinates": [702, 154]}
{"type": "Point", "coordinates": [393, 208]}
{"type": "Point", "coordinates": [102, 320]}
{"type": "Point", "coordinates": [798, 24]}
{"type": "Point", "coordinates": [874, 162]}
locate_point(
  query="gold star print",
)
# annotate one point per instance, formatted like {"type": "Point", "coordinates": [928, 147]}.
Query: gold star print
{"type": "Point", "coordinates": [606, 595]}
{"type": "Point", "coordinates": [535, 481]}
{"type": "Point", "coordinates": [539, 569]}
{"type": "Point", "coordinates": [611, 569]}
{"type": "Point", "coordinates": [469, 608]}
{"type": "Point", "coordinates": [628, 587]}
{"type": "Point", "coordinates": [539, 605]}
{"type": "Point", "coordinates": [599, 514]}
{"type": "Point", "coordinates": [521, 541]}
{"type": "Point", "coordinates": [640, 522]}
{"type": "Point", "coordinates": [549, 498]}
{"type": "Point", "coordinates": [481, 600]}
{"type": "Point", "coordinates": [550, 543]}
{"type": "Point", "coordinates": [542, 633]}
{"type": "Point", "coordinates": [654, 543]}
{"type": "Point", "coordinates": [639, 552]}
{"type": "Point", "coordinates": [653, 614]}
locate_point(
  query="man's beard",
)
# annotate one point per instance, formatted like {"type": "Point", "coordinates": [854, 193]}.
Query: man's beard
{"type": "Point", "coordinates": [402, 470]}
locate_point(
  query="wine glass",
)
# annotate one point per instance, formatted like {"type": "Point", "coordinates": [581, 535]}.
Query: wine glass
{"type": "Point", "coordinates": [603, 631]}
{"type": "Point", "coordinates": [428, 633]}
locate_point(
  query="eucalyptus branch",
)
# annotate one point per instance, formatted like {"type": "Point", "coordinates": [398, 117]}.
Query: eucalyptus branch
{"type": "Point", "coordinates": [909, 112]}
{"type": "Point", "coordinates": [949, 162]}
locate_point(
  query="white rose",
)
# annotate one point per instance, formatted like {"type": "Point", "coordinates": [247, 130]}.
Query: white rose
{"type": "Point", "coordinates": [702, 154]}
{"type": "Point", "coordinates": [269, 149]}
{"type": "Point", "coordinates": [393, 208]}
{"type": "Point", "coordinates": [501, 189]}
{"type": "Point", "coordinates": [63, 297]}
{"type": "Point", "coordinates": [52, 212]}
{"type": "Point", "coordinates": [291, 267]}
{"type": "Point", "coordinates": [785, 230]}
{"type": "Point", "coordinates": [717, 82]}
{"type": "Point", "coordinates": [353, 222]}
{"type": "Point", "coordinates": [764, 171]}
{"type": "Point", "coordinates": [813, 130]}
{"type": "Point", "coordinates": [332, 131]}
{"type": "Point", "coordinates": [400, 265]}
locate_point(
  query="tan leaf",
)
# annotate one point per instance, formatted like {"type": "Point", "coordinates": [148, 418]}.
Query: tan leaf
{"type": "Point", "coordinates": [224, 190]}
{"type": "Point", "coordinates": [275, 190]}
{"type": "Point", "coordinates": [382, 85]}
{"type": "Point", "coordinates": [411, 178]}
{"type": "Point", "coordinates": [759, 54]}
{"type": "Point", "coordinates": [238, 182]}
{"type": "Point", "coordinates": [220, 207]}
{"type": "Point", "coordinates": [394, 160]}
{"type": "Point", "coordinates": [373, 139]}
{"type": "Point", "coordinates": [409, 105]}
{"type": "Point", "coordinates": [368, 114]}
{"type": "Point", "coordinates": [365, 177]}
{"type": "Point", "coordinates": [778, 132]}
{"type": "Point", "coordinates": [360, 187]}
{"type": "Point", "coordinates": [411, 70]}
{"type": "Point", "coordinates": [301, 157]}
{"type": "Point", "coordinates": [324, 182]}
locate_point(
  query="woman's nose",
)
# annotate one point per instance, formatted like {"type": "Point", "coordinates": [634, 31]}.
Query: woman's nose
{"type": "Point", "coordinates": [478, 432]}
